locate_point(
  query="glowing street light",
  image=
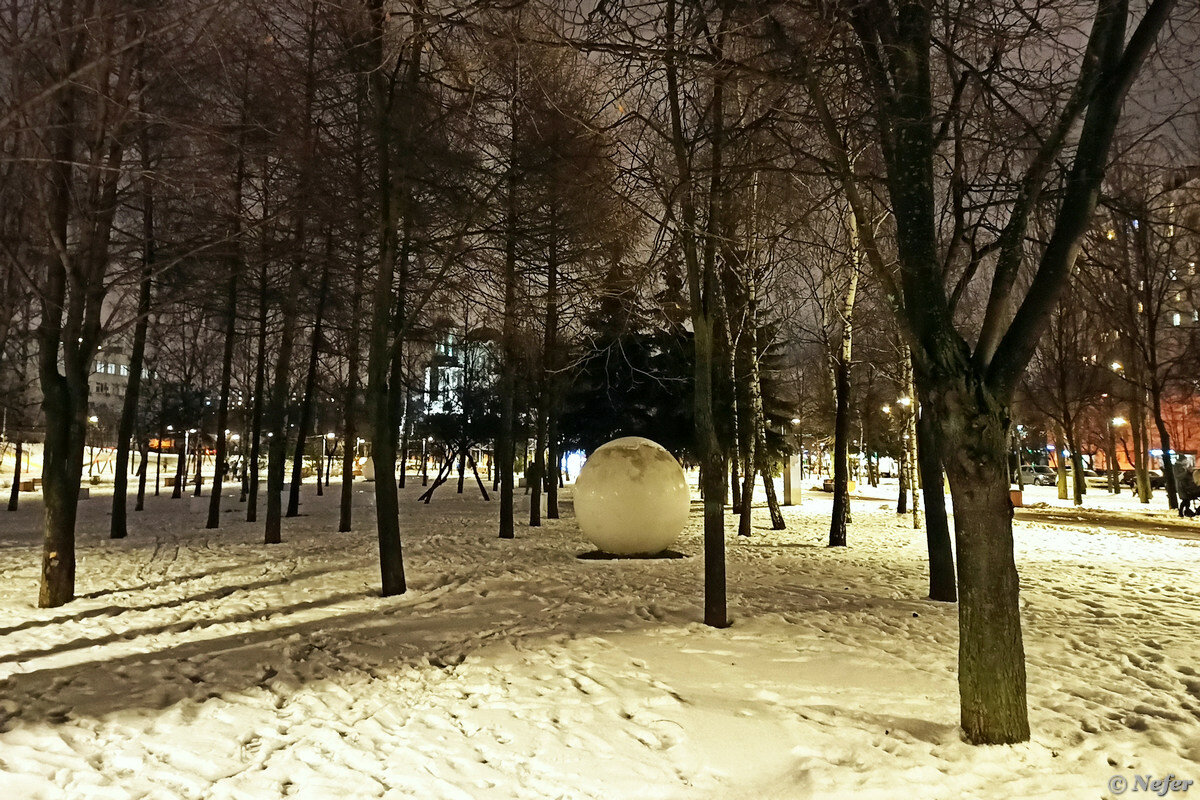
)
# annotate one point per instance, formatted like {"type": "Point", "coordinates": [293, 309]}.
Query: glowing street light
{"type": "Point", "coordinates": [1117, 366]}
{"type": "Point", "coordinates": [1119, 421]}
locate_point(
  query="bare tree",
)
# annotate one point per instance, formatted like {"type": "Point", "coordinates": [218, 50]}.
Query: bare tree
{"type": "Point", "coordinates": [966, 379]}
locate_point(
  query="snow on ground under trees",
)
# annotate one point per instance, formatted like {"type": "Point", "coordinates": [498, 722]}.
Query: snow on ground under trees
{"type": "Point", "coordinates": [204, 664]}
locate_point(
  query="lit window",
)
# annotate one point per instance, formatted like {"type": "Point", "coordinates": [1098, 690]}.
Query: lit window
{"type": "Point", "coordinates": [125, 370]}
{"type": "Point", "coordinates": [1178, 318]}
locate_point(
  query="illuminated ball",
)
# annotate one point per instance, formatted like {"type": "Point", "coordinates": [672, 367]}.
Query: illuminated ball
{"type": "Point", "coordinates": [631, 497]}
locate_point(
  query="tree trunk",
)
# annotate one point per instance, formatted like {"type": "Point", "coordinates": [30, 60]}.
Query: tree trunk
{"type": "Point", "coordinates": [713, 476]}
{"type": "Point", "coordinates": [537, 471]}
{"type": "Point", "coordinates": [478, 480]}
{"type": "Point", "coordinates": [1078, 484]}
{"type": "Point", "coordinates": [276, 412]}
{"type": "Point", "coordinates": [350, 420]}
{"type": "Point", "coordinates": [841, 451]}
{"type": "Point", "coordinates": [1141, 443]}
{"type": "Point", "coordinates": [143, 468]}
{"type": "Point", "coordinates": [62, 468]}
{"type": "Point", "coordinates": [550, 350]}
{"type": "Point", "coordinates": [546, 379]}
{"type": "Point", "coordinates": [72, 295]}
{"type": "Point", "coordinates": [1060, 462]}
{"type": "Point", "coordinates": [181, 468]}
{"type": "Point", "coordinates": [406, 428]}
{"type": "Point", "coordinates": [910, 438]}
{"type": "Point", "coordinates": [735, 484]}
{"type": "Point", "coordinates": [749, 474]}
{"type": "Point", "coordinates": [554, 461]}
{"type": "Point", "coordinates": [942, 585]}
{"type": "Point", "coordinates": [761, 463]}
{"type": "Point", "coordinates": [972, 428]}
{"type": "Point", "coordinates": [777, 521]}
{"type": "Point", "coordinates": [257, 402]}
{"type": "Point", "coordinates": [841, 392]}
{"type": "Point", "coordinates": [702, 291]}
{"type": "Point", "coordinates": [353, 345]}
{"type": "Point", "coordinates": [310, 387]}
{"type": "Point", "coordinates": [385, 342]}
{"type": "Point", "coordinates": [118, 528]}
{"type": "Point", "coordinates": [214, 500]}
{"type": "Point", "coordinates": [1164, 442]}
{"type": "Point", "coordinates": [321, 462]}
{"type": "Point", "coordinates": [505, 444]}
{"type": "Point", "coordinates": [15, 493]}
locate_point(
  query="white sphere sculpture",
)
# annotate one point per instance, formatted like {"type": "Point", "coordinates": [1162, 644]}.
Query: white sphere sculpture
{"type": "Point", "coordinates": [631, 497]}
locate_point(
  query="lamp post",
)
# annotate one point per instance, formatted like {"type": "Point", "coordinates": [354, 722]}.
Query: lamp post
{"type": "Point", "coordinates": [1018, 433]}
{"type": "Point", "coordinates": [321, 465]}
{"type": "Point", "coordinates": [910, 456]}
{"type": "Point", "coordinates": [199, 440]}
{"type": "Point", "coordinates": [425, 461]}
{"type": "Point", "coordinates": [1114, 482]}
{"type": "Point", "coordinates": [887, 409]}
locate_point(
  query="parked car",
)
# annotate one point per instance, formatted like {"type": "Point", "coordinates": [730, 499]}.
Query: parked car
{"type": "Point", "coordinates": [1091, 477]}
{"type": "Point", "coordinates": [1157, 481]}
{"type": "Point", "coordinates": [1037, 475]}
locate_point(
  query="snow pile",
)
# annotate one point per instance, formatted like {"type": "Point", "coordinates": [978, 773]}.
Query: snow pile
{"type": "Point", "coordinates": [202, 664]}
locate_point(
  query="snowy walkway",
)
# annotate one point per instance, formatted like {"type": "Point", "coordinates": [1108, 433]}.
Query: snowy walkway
{"type": "Point", "coordinates": [202, 664]}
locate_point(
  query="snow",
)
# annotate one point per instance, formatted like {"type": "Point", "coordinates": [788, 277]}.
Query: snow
{"type": "Point", "coordinates": [204, 664]}
{"type": "Point", "coordinates": [631, 497]}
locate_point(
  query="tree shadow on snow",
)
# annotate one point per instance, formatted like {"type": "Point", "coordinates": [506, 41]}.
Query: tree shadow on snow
{"type": "Point", "coordinates": [196, 621]}
{"type": "Point", "coordinates": [114, 610]}
{"type": "Point", "coordinates": [407, 631]}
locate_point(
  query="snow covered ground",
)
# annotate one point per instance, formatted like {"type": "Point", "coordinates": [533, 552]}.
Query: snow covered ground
{"type": "Point", "coordinates": [203, 664]}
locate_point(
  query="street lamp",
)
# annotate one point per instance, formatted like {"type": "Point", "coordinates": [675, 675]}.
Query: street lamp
{"type": "Point", "coordinates": [325, 459]}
